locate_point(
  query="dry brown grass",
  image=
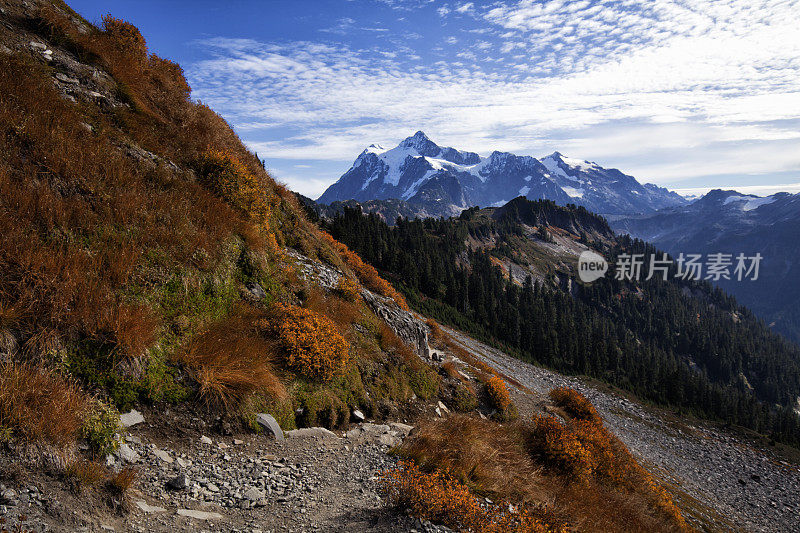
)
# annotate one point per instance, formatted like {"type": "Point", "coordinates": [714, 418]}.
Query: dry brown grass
{"type": "Point", "coordinates": [40, 405]}
{"type": "Point", "coordinates": [391, 343]}
{"type": "Point", "coordinates": [120, 482]}
{"type": "Point", "coordinates": [78, 215]}
{"type": "Point", "coordinates": [82, 473]}
{"type": "Point", "coordinates": [451, 370]}
{"type": "Point", "coordinates": [344, 312]}
{"type": "Point", "coordinates": [231, 361]}
{"type": "Point", "coordinates": [478, 453]}
{"type": "Point", "coordinates": [501, 461]}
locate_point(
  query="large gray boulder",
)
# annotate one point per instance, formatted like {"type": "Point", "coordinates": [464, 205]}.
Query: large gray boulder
{"type": "Point", "coordinates": [269, 423]}
{"type": "Point", "coordinates": [131, 418]}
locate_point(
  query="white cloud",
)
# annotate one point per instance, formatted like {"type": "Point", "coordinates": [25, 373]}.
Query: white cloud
{"type": "Point", "coordinates": [641, 82]}
{"type": "Point", "coordinates": [465, 8]}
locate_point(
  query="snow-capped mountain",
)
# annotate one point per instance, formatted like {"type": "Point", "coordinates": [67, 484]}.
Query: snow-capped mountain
{"type": "Point", "coordinates": [731, 223]}
{"type": "Point", "coordinates": [446, 180]}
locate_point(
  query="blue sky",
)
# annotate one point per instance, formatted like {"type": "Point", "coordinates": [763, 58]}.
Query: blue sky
{"type": "Point", "coordinates": [688, 94]}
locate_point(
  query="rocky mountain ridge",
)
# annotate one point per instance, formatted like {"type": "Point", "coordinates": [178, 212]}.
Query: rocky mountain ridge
{"type": "Point", "coordinates": [731, 223]}
{"type": "Point", "coordinates": [443, 181]}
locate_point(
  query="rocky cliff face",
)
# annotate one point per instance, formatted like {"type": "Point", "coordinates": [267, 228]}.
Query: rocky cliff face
{"type": "Point", "coordinates": [411, 330]}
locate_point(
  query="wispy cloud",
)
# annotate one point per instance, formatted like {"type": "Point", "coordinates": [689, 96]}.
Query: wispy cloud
{"type": "Point", "coordinates": [622, 81]}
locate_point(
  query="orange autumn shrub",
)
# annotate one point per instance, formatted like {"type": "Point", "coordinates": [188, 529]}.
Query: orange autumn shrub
{"type": "Point", "coordinates": [439, 497]}
{"type": "Point", "coordinates": [348, 289]}
{"type": "Point", "coordinates": [498, 393]}
{"type": "Point", "coordinates": [229, 178]}
{"type": "Point", "coordinates": [561, 449]}
{"type": "Point", "coordinates": [311, 342]}
{"type": "Point", "coordinates": [366, 274]}
{"type": "Point", "coordinates": [587, 452]}
{"type": "Point", "coordinates": [583, 449]}
{"type": "Point", "coordinates": [574, 403]}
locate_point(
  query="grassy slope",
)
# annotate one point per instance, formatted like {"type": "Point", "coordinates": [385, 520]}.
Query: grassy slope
{"type": "Point", "coordinates": [132, 223]}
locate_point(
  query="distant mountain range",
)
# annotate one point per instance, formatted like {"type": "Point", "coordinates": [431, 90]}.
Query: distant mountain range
{"type": "Point", "coordinates": [418, 178]}
{"type": "Point", "coordinates": [442, 181]}
{"type": "Point", "coordinates": [731, 222]}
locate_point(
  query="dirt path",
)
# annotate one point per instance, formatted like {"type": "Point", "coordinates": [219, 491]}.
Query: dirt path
{"type": "Point", "coordinates": [243, 483]}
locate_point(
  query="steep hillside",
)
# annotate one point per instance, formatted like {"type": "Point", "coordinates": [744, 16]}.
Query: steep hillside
{"type": "Point", "coordinates": [443, 181]}
{"type": "Point", "coordinates": [732, 223]}
{"type": "Point", "coordinates": [148, 261]}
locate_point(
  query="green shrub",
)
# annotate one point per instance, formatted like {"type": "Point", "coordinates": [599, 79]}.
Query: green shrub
{"type": "Point", "coordinates": [280, 409]}
{"type": "Point", "coordinates": [424, 382]}
{"type": "Point", "coordinates": [464, 399]}
{"type": "Point", "coordinates": [321, 407]}
{"type": "Point", "coordinates": [100, 428]}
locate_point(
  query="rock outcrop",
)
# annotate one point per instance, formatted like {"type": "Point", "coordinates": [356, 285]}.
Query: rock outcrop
{"type": "Point", "coordinates": [410, 329]}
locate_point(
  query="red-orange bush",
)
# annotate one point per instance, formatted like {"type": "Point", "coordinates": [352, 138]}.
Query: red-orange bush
{"type": "Point", "coordinates": [348, 289]}
{"type": "Point", "coordinates": [227, 176]}
{"type": "Point", "coordinates": [587, 452]}
{"type": "Point", "coordinates": [498, 393]}
{"type": "Point", "coordinates": [575, 404]}
{"type": "Point", "coordinates": [561, 448]}
{"type": "Point", "coordinates": [311, 342]}
{"type": "Point", "coordinates": [440, 498]}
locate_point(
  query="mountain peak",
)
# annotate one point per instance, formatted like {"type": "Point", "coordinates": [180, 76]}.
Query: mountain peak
{"type": "Point", "coordinates": [555, 155]}
{"type": "Point", "coordinates": [720, 194]}
{"type": "Point", "coordinates": [422, 144]}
